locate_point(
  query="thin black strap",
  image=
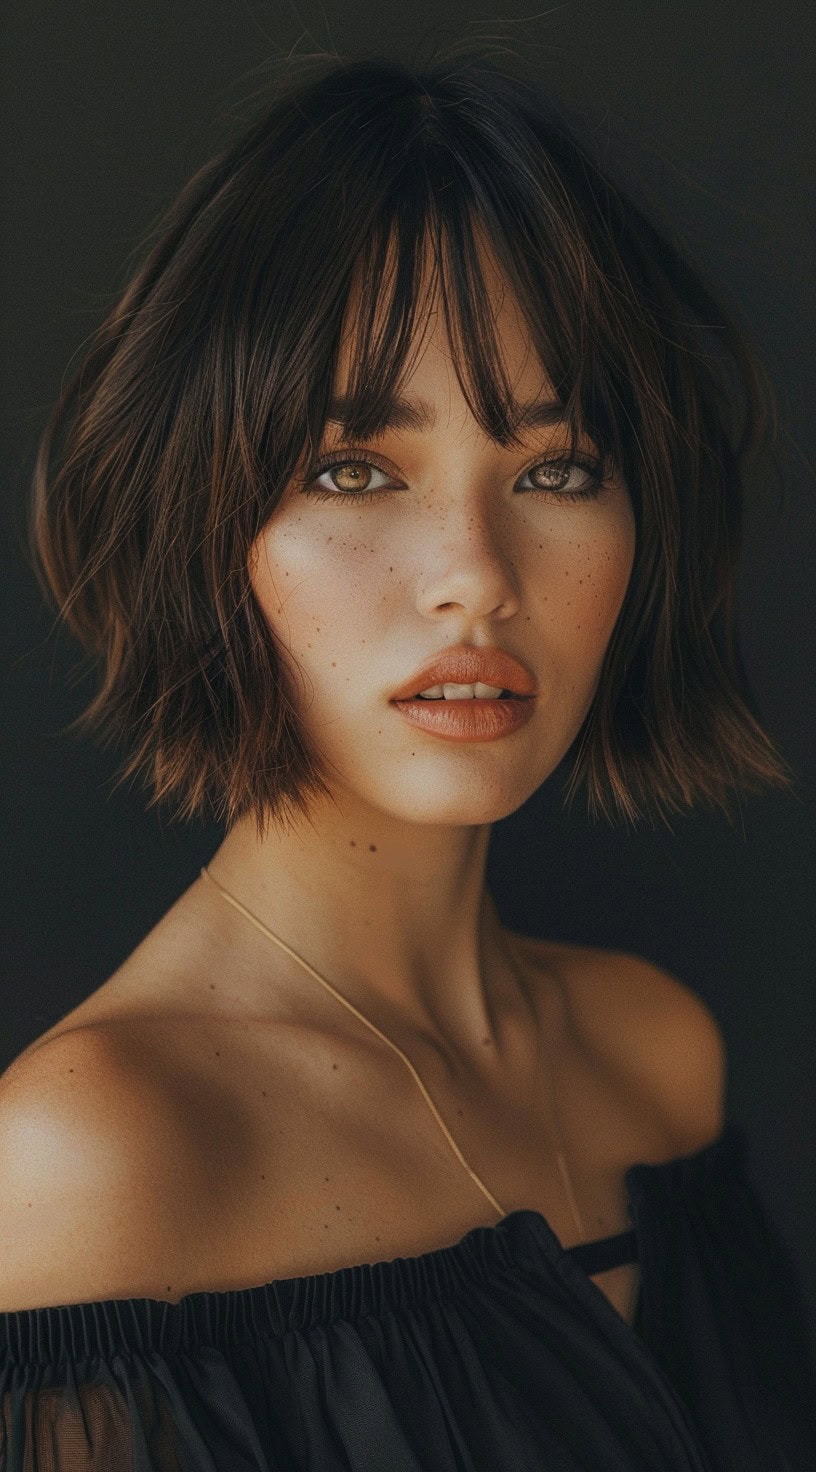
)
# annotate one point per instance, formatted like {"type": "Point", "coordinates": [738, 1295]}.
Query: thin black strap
{"type": "Point", "coordinates": [606, 1252]}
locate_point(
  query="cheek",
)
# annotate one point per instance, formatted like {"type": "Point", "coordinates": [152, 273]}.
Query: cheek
{"type": "Point", "coordinates": [606, 582]}
{"type": "Point", "coordinates": [308, 585]}
{"type": "Point", "coordinates": [583, 582]}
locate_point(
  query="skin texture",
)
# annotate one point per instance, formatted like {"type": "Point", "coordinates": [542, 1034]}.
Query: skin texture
{"type": "Point", "coordinates": [384, 892]}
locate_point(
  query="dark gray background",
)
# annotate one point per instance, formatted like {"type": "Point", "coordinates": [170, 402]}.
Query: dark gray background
{"type": "Point", "coordinates": [709, 106]}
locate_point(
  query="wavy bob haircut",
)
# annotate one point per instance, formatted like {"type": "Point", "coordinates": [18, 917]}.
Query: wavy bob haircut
{"type": "Point", "coordinates": [211, 376]}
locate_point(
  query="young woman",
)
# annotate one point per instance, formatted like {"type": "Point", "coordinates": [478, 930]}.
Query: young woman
{"type": "Point", "coordinates": [409, 461]}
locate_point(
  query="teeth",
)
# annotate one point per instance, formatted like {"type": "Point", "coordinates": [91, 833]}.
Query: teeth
{"type": "Point", "coordinates": [462, 692]}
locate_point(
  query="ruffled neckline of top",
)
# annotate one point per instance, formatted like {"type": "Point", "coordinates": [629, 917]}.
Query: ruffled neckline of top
{"type": "Point", "coordinates": [521, 1238]}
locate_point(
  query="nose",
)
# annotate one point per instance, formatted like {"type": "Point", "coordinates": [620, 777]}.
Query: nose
{"type": "Point", "coordinates": [466, 563]}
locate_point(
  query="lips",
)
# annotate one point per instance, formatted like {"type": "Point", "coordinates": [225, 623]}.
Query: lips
{"type": "Point", "coordinates": [467, 664]}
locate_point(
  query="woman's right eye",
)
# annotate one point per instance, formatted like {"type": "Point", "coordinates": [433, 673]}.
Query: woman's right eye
{"type": "Point", "coordinates": [349, 468]}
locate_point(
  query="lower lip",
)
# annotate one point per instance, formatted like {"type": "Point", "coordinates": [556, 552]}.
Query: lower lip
{"type": "Point", "coordinates": [466, 720]}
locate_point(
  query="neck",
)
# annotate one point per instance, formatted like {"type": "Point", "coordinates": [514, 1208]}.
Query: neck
{"type": "Point", "coordinates": [399, 920]}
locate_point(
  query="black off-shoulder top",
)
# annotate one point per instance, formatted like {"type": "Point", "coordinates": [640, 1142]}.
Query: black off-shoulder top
{"type": "Point", "coordinates": [495, 1354]}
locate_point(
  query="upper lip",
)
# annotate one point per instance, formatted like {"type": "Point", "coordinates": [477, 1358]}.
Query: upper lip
{"type": "Point", "coordinates": [465, 664]}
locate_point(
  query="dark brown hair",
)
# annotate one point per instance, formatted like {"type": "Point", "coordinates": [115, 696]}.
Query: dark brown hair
{"type": "Point", "coordinates": [210, 378]}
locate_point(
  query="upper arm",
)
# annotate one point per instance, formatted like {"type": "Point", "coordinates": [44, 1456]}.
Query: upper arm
{"type": "Point", "coordinates": [91, 1175]}
{"type": "Point", "coordinates": [657, 1038]}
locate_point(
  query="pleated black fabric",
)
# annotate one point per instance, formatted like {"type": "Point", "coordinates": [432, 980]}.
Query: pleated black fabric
{"type": "Point", "coordinates": [495, 1354]}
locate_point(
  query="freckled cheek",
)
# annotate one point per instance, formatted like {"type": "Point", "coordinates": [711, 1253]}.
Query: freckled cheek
{"type": "Point", "coordinates": [320, 590]}
{"type": "Point", "coordinates": [607, 581]}
{"type": "Point", "coordinates": [583, 597]}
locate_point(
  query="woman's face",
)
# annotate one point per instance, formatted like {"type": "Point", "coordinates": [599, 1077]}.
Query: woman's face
{"type": "Point", "coordinates": [464, 546]}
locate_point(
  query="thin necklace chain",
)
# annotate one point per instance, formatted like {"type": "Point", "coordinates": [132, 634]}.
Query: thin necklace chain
{"type": "Point", "coordinates": [559, 1154]}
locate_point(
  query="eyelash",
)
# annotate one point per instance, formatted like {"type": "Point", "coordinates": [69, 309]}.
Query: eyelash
{"type": "Point", "coordinates": [331, 462]}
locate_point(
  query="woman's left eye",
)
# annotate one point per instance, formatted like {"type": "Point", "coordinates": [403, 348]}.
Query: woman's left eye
{"type": "Point", "coordinates": [559, 472]}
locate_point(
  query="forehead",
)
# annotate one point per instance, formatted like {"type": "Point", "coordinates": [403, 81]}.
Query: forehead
{"type": "Point", "coordinates": [432, 360]}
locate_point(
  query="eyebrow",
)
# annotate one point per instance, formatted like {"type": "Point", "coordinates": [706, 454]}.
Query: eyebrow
{"type": "Point", "coordinates": [419, 414]}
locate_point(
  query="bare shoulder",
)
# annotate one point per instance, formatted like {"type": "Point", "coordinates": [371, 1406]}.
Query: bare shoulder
{"type": "Point", "coordinates": [649, 1032]}
{"type": "Point", "coordinates": [95, 1164]}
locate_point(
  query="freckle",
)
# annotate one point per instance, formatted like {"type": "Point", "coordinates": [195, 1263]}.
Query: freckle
{"type": "Point", "coordinates": [325, 1178]}
{"type": "Point", "coordinates": [458, 1111]}
{"type": "Point", "coordinates": [212, 986]}
{"type": "Point", "coordinates": [29, 1203]}
{"type": "Point", "coordinates": [334, 1065]}
{"type": "Point", "coordinates": [70, 1070]}
{"type": "Point", "coordinates": [353, 842]}
{"type": "Point", "coordinates": [376, 1239]}
{"type": "Point", "coordinates": [372, 848]}
{"type": "Point", "coordinates": [263, 1091]}
{"type": "Point", "coordinates": [337, 1208]}
{"type": "Point", "coordinates": [168, 1287]}
{"type": "Point", "coordinates": [334, 666]}
{"type": "Point", "coordinates": [217, 1054]}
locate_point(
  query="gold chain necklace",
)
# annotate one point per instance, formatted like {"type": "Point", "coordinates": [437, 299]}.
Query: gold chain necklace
{"type": "Point", "coordinates": [562, 1164]}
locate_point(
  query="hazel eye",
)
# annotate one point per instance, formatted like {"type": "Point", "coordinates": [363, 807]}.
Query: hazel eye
{"type": "Point", "coordinates": [349, 476]}
{"type": "Point", "coordinates": [559, 473]}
